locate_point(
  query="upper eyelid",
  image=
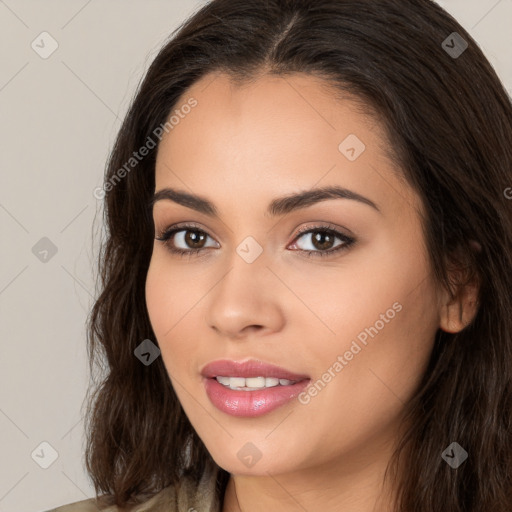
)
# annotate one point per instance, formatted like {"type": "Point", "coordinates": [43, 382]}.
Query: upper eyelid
{"type": "Point", "coordinates": [184, 226]}
{"type": "Point", "coordinates": [180, 226]}
{"type": "Point", "coordinates": [347, 241]}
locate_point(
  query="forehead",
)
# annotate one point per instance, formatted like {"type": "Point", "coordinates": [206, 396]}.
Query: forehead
{"type": "Point", "coordinates": [274, 133]}
{"type": "Point", "coordinates": [299, 105]}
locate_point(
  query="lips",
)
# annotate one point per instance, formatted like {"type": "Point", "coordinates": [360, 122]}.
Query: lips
{"type": "Point", "coordinates": [247, 369]}
{"type": "Point", "coordinates": [250, 402]}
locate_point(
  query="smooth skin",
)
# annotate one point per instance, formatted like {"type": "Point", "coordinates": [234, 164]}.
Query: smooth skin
{"type": "Point", "coordinates": [240, 148]}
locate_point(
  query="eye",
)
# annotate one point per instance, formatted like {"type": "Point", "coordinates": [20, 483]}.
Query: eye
{"type": "Point", "coordinates": [192, 239]}
{"type": "Point", "coordinates": [322, 240]}
{"type": "Point", "coordinates": [187, 236]}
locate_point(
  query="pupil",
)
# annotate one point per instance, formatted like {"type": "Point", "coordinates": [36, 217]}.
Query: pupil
{"type": "Point", "coordinates": [193, 237]}
{"type": "Point", "coordinates": [318, 237]}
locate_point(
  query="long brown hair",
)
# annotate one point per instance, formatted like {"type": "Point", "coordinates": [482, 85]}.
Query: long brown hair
{"type": "Point", "coordinates": [449, 123]}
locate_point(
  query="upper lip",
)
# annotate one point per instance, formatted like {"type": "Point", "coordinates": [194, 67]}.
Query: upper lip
{"type": "Point", "coordinates": [250, 368]}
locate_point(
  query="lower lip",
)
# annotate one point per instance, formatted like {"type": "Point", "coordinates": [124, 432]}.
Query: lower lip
{"type": "Point", "coordinates": [251, 403]}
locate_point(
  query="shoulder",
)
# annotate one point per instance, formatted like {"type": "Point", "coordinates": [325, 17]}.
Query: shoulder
{"type": "Point", "coordinates": [188, 496]}
{"type": "Point", "coordinates": [93, 505]}
{"type": "Point", "coordinates": [89, 505]}
{"type": "Point", "coordinates": [166, 497]}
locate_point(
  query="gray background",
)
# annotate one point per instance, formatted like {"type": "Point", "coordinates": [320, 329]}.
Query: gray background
{"type": "Point", "coordinates": [59, 118]}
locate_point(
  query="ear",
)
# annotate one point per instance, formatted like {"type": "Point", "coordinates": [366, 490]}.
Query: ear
{"type": "Point", "coordinates": [459, 305]}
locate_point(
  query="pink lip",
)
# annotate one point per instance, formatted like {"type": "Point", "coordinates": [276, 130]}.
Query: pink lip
{"type": "Point", "coordinates": [250, 403]}
{"type": "Point", "coordinates": [250, 368]}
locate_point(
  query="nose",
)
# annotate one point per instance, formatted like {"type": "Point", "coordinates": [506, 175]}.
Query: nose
{"type": "Point", "coordinates": [244, 301]}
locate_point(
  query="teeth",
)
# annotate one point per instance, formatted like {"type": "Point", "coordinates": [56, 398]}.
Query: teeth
{"type": "Point", "coordinates": [252, 383]}
{"type": "Point", "coordinates": [236, 382]}
{"type": "Point", "coordinates": [223, 380]}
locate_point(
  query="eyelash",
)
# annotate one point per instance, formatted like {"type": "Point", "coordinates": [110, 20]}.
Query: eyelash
{"type": "Point", "coordinates": [167, 234]}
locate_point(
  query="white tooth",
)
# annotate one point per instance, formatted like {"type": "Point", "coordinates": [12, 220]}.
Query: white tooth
{"type": "Point", "coordinates": [252, 383]}
{"type": "Point", "coordinates": [255, 382]}
{"type": "Point", "coordinates": [236, 382]}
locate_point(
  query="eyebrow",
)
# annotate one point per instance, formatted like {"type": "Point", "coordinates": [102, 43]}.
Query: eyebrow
{"type": "Point", "coordinates": [277, 207]}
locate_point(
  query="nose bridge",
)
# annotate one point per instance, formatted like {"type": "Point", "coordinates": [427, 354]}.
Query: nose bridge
{"type": "Point", "coordinates": [250, 250]}
{"type": "Point", "coordinates": [244, 295]}
{"type": "Point", "coordinates": [248, 272]}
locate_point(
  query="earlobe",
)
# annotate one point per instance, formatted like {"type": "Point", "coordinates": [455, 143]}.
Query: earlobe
{"type": "Point", "coordinates": [460, 312]}
{"type": "Point", "coordinates": [450, 317]}
{"type": "Point", "coordinates": [459, 309]}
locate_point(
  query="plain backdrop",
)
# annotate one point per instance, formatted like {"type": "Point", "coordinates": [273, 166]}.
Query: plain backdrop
{"type": "Point", "coordinates": [60, 113]}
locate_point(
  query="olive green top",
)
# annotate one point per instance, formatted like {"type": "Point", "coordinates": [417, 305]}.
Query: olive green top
{"type": "Point", "coordinates": [187, 498]}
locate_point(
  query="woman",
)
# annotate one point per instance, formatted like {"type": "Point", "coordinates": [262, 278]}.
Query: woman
{"type": "Point", "coordinates": [308, 271]}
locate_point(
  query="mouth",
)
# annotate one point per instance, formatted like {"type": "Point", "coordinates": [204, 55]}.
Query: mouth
{"type": "Point", "coordinates": [250, 388]}
{"type": "Point", "coordinates": [250, 369]}
{"type": "Point", "coordinates": [253, 383]}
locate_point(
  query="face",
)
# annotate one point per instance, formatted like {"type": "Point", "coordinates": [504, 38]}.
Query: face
{"type": "Point", "coordinates": [337, 291]}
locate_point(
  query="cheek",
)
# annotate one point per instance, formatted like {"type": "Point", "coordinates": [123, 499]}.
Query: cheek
{"type": "Point", "coordinates": [340, 301]}
{"type": "Point", "coordinates": [168, 299]}
{"type": "Point", "coordinates": [158, 298]}
{"type": "Point", "coordinates": [170, 293]}
{"type": "Point", "coordinates": [379, 307]}
{"type": "Point", "coordinates": [361, 387]}
{"type": "Point", "coordinates": [174, 291]}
